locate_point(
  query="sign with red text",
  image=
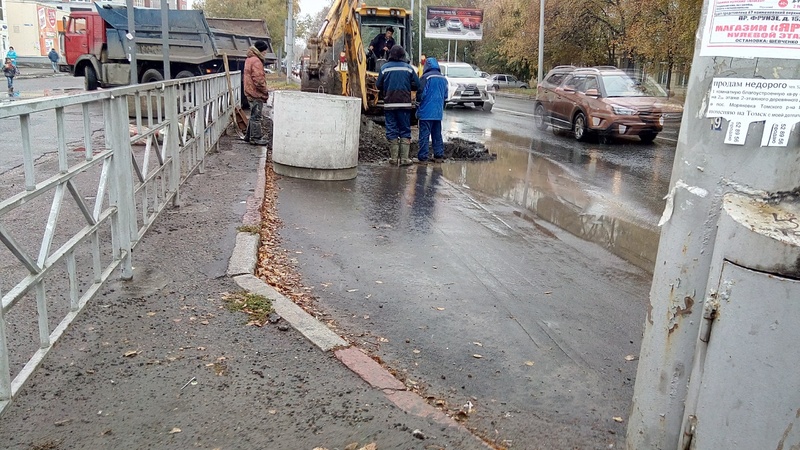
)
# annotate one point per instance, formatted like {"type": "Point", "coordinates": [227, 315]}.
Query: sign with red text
{"type": "Point", "coordinates": [752, 29]}
{"type": "Point", "coordinates": [449, 22]}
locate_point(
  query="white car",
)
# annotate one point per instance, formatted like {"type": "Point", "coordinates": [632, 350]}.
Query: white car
{"type": "Point", "coordinates": [454, 24]}
{"type": "Point", "coordinates": [464, 85]}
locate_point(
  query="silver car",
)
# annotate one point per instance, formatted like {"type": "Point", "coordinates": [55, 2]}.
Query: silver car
{"type": "Point", "coordinates": [502, 80]}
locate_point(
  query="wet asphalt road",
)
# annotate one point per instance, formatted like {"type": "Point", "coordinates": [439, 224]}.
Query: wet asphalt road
{"type": "Point", "coordinates": [43, 125]}
{"type": "Point", "coordinates": [473, 304]}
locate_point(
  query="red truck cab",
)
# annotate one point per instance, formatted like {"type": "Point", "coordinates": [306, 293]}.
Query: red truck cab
{"type": "Point", "coordinates": [84, 41]}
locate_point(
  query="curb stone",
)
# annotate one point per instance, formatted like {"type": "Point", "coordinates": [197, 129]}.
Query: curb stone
{"type": "Point", "coordinates": [319, 334]}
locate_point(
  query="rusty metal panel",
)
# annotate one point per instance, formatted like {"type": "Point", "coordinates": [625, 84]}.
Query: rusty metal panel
{"type": "Point", "coordinates": [749, 386]}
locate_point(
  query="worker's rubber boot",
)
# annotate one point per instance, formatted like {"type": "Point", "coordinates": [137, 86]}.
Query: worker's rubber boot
{"type": "Point", "coordinates": [394, 150]}
{"type": "Point", "coordinates": [405, 145]}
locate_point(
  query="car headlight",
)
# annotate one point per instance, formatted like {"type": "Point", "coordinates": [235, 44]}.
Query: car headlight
{"type": "Point", "coordinates": [623, 111]}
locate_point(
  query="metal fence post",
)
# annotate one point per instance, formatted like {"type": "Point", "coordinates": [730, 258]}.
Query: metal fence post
{"type": "Point", "coordinates": [5, 368]}
{"type": "Point", "coordinates": [171, 141]}
{"type": "Point", "coordinates": [123, 180]}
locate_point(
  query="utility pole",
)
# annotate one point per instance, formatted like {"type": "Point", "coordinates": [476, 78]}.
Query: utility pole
{"type": "Point", "coordinates": [539, 72]}
{"type": "Point", "coordinates": [131, 36]}
{"type": "Point", "coordinates": [420, 21]}
{"type": "Point", "coordinates": [165, 38]}
{"type": "Point", "coordinates": [730, 225]}
{"type": "Point", "coordinates": [289, 40]}
{"type": "Point", "coordinates": [410, 32]}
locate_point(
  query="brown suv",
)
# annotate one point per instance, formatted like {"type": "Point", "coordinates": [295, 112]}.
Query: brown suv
{"type": "Point", "coordinates": [602, 100]}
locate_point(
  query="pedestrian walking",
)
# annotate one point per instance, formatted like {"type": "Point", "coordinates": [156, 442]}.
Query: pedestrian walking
{"type": "Point", "coordinates": [396, 80]}
{"type": "Point", "coordinates": [431, 96]}
{"type": "Point", "coordinates": [255, 89]}
{"type": "Point", "coordinates": [10, 72]}
{"type": "Point", "coordinates": [53, 56]}
{"type": "Point", "coordinates": [12, 55]}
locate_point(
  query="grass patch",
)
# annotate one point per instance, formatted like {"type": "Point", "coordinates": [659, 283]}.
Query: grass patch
{"type": "Point", "coordinates": [256, 306]}
{"type": "Point", "coordinates": [253, 229]}
{"type": "Point", "coordinates": [519, 91]}
{"type": "Point", "coordinates": [277, 82]}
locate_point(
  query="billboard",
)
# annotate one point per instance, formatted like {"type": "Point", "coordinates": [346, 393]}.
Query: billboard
{"type": "Point", "coordinates": [448, 22]}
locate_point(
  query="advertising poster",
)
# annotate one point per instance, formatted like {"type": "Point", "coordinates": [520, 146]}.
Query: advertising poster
{"type": "Point", "coordinates": [447, 22]}
{"type": "Point", "coordinates": [752, 28]}
{"type": "Point", "coordinates": [48, 32]}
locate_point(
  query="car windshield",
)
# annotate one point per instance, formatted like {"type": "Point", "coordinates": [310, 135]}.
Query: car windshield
{"type": "Point", "coordinates": [461, 72]}
{"type": "Point", "coordinates": [625, 86]}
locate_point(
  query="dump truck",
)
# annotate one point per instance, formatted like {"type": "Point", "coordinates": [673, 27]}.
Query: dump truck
{"type": "Point", "coordinates": [96, 44]}
{"type": "Point", "coordinates": [335, 60]}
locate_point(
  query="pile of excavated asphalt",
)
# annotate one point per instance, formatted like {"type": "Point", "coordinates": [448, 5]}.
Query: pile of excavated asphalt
{"type": "Point", "coordinates": [373, 146]}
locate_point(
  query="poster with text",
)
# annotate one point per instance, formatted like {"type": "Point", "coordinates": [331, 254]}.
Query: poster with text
{"type": "Point", "coordinates": [48, 34]}
{"type": "Point", "coordinates": [752, 29]}
{"type": "Point", "coordinates": [447, 22]}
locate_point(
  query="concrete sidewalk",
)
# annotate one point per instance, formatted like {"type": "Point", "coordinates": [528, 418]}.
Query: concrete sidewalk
{"type": "Point", "coordinates": [160, 362]}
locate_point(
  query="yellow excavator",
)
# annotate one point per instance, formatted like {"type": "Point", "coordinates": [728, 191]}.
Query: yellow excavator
{"type": "Point", "coordinates": [335, 60]}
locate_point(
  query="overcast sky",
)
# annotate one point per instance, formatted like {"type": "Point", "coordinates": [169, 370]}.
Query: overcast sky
{"type": "Point", "coordinates": [311, 7]}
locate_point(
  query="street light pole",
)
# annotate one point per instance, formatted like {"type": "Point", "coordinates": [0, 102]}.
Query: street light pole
{"type": "Point", "coordinates": [541, 42]}
{"type": "Point", "coordinates": [420, 20]}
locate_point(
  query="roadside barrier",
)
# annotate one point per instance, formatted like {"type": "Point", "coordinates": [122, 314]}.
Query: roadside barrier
{"type": "Point", "coordinates": [94, 172]}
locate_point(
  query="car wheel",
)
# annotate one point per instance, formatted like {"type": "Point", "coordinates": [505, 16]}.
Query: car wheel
{"type": "Point", "coordinates": [648, 137]}
{"type": "Point", "coordinates": [496, 87]}
{"type": "Point", "coordinates": [579, 127]}
{"type": "Point", "coordinates": [90, 79]}
{"type": "Point", "coordinates": [524, 86]}
{"type": "Point", "coordinates": [540, 117]}
{"type": "Point", "coordinates": [151, 76]}
{"type": "Point", "coordinates": [488, 107]}
{"type": "Point", "coordinates": [478, 104]}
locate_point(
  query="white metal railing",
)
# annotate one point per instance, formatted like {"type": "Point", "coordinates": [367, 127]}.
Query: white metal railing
{"type": "Point", "coordinates": [94, 172]}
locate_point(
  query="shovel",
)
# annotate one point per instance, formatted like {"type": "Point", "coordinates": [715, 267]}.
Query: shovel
{"type": "Point", "coordinates": [240, 119]}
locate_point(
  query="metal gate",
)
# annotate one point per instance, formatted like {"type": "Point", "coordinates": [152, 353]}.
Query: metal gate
{"type": "Point", "coordinates": [94, 172]}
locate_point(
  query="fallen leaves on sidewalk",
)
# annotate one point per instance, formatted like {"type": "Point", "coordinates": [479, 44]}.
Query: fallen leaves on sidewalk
{"type": "Point", "coordinates": [274, 263]}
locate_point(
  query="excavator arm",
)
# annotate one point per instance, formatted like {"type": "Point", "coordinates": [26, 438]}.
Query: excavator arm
{"type": "Point", "coordinates": [341, 23]}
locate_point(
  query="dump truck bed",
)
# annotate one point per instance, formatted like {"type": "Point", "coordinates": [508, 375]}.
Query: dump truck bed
{"type": "Point", "coordinates": [193, 39]}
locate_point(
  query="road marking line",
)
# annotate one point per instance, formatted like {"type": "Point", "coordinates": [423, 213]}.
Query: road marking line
{"type": "Point", "coordinates": [516, 113]}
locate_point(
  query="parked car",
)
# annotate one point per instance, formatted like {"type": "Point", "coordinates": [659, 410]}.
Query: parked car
{"type": "Point", "coordinates": [483, 74]}
{"type": "Point", "coordinates": [454, 24]}
{"type": "Point", "coordinates": [605, 101]}
{"type": "Point", "coordinates": [507, 81]}
{"type": "Point", "coordinates": [465, 86]}
{"type": "Point", "coordinates": [437, 22]}
{"type": "Point", "coordinates": [472, 23]}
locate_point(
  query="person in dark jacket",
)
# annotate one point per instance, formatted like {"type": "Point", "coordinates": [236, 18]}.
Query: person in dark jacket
{"type": "Point", "coordinates": [53, 57]}
{"type": "Point", "coordinates": [10, 72]}
{"type": "Point", "coordinates": [255, 89]}
{"type": "Point", "coordinates": [396, 81]}
{"type": "Point", "coordinates": [380, 47]}
{"type": "Point", "coordinates": [431, 96]}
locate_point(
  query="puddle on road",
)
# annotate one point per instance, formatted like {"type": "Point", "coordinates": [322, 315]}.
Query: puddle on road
{"type": "Point", "coordinates": [551, 191]}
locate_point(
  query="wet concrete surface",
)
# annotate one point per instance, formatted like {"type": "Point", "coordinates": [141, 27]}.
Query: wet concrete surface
{"type": "Point", "coordinates": [473, 303]}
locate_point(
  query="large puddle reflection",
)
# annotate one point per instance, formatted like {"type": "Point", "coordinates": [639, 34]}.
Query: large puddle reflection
{"type": "Point", "coordinates": [615, 212]}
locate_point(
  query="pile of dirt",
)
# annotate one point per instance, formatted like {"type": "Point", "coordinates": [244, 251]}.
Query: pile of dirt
{"type": "Point", "coordinates": [373, 147]}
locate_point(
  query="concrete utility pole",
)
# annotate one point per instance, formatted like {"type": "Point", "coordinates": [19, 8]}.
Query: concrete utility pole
{"type": "Point", "coordinates": [131, 42]}
{"type": "Point", "coordinates": [165, 38]}
{"type": "Point", "coordinates": [539, 73]}
{"type": "Point", "coordinates": [731, 220]}
{"type": "Point", "coordinates": [289, 40]}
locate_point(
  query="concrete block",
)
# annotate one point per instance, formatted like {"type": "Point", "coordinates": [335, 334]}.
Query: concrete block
{"type": "Point", "coordinates": [311, 328]}
{"type": "Point", "coordinates": [245, 255]}
{"type": "Point", "coordinates": [315, 136]}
